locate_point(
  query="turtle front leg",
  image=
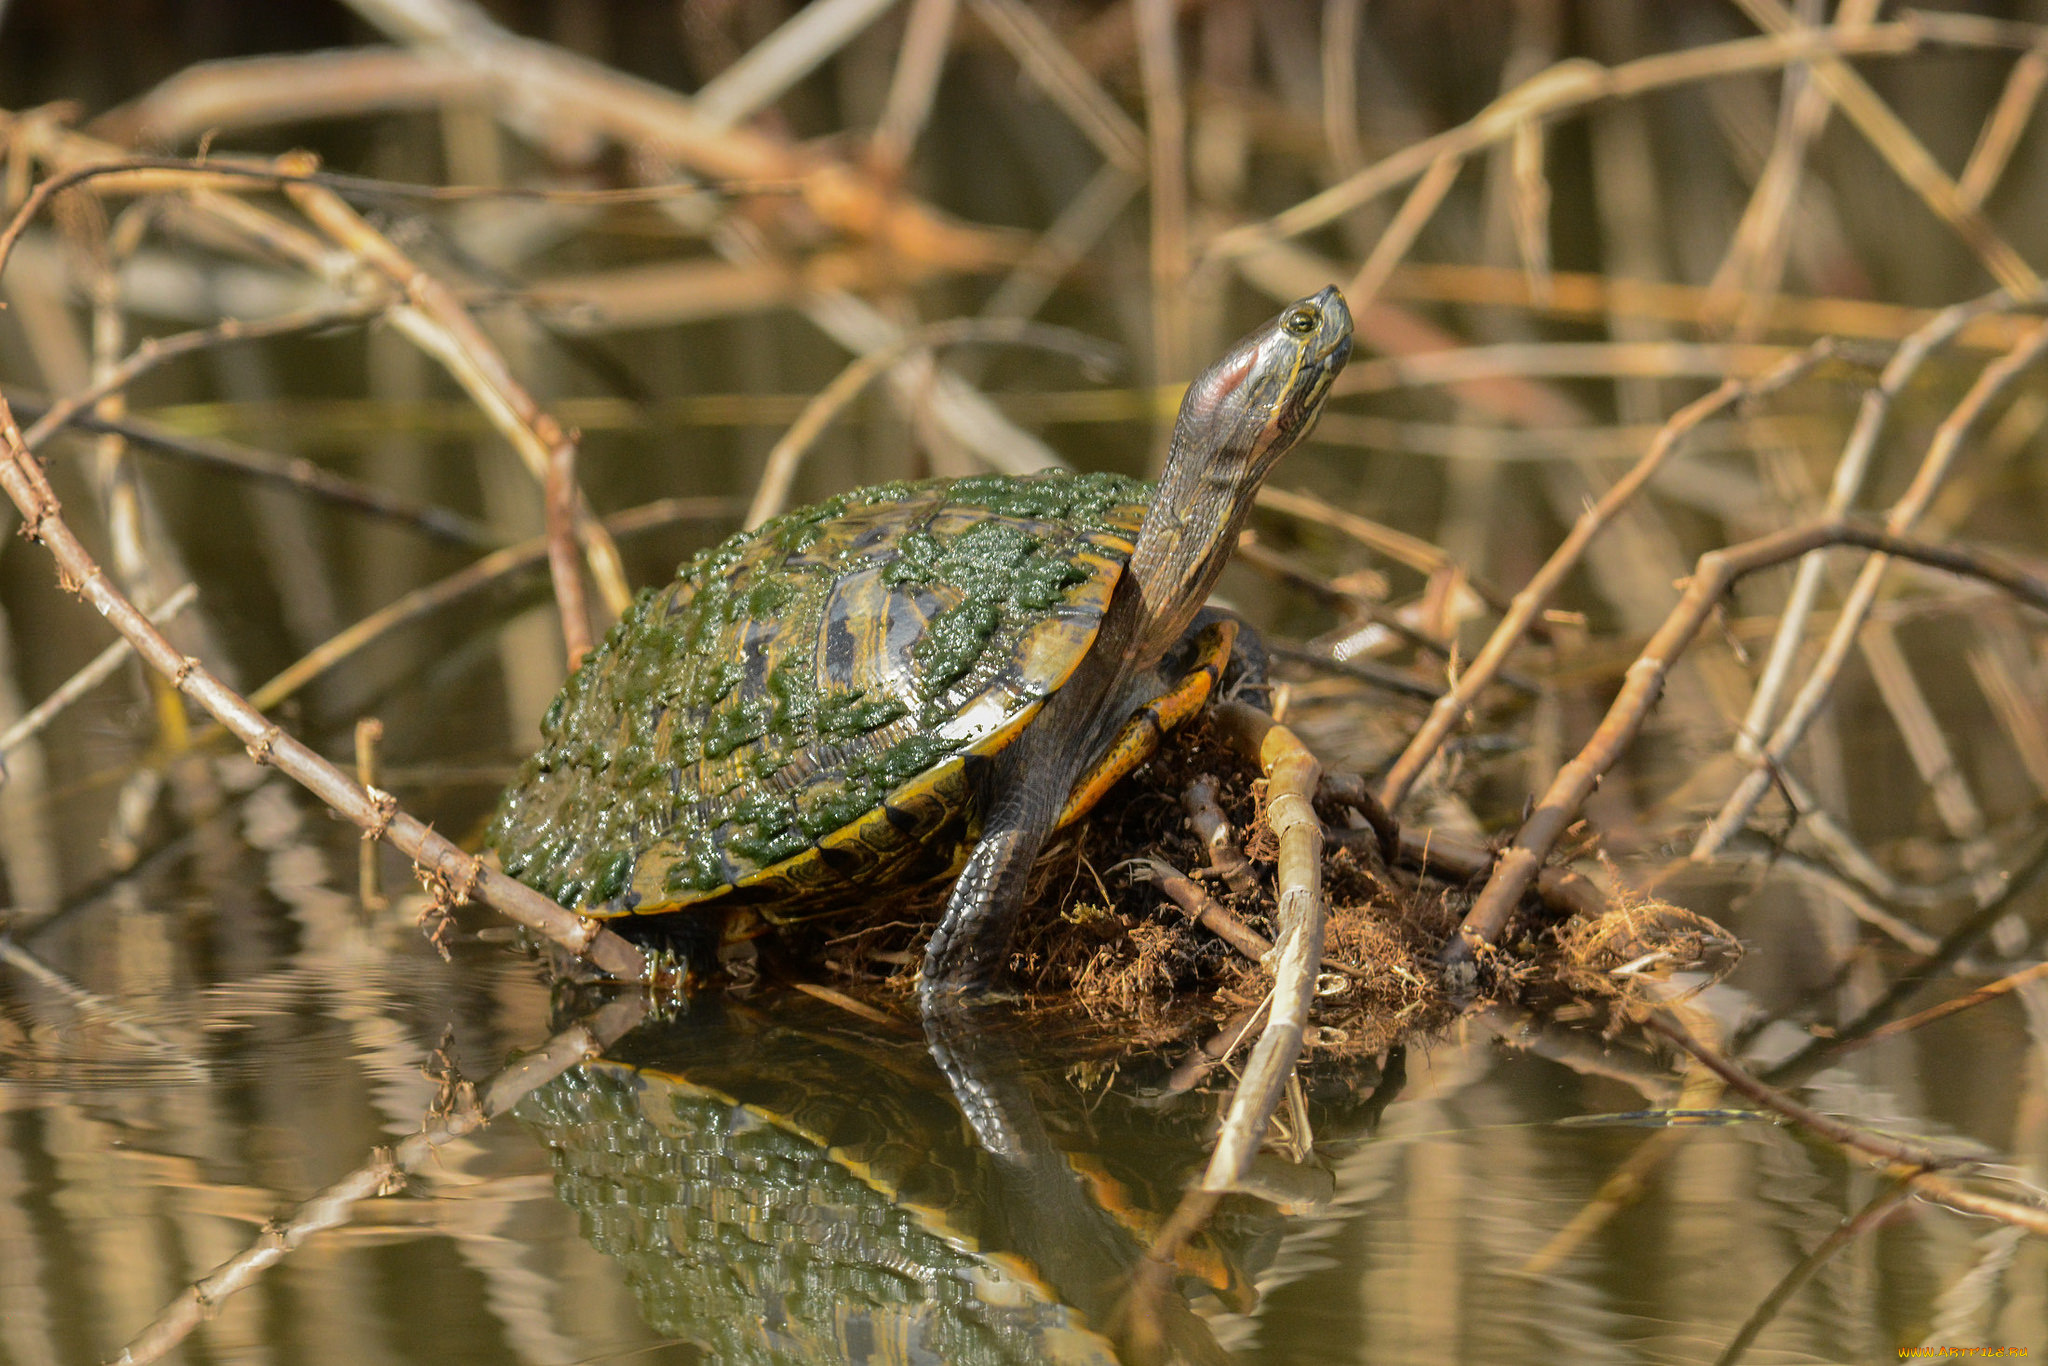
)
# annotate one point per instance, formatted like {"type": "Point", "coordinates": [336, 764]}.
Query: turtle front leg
{"type": "Point", "coordinates": [968, 950]}
{"type": "Point", "coordinates": [972, 941]}
{"type": "Point", "coordinates": [1210, 648]}
{"type": "Point", "coordinates": [1021, 795]}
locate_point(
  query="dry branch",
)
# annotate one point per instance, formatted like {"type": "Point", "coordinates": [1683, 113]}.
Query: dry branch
{"type": "Point", "coordinates": [1716, 572]}
{"type": "Point", "coordinates": [1212, 828]}
{"type": "Point", "coordinates": [1292, 773]}
{"type": "Point", "coordinates": [1449, 710]}
{"type": "Point", "coordinates": [1187, 894]}
{"type": "Point", "coordinates": [1942, 452]}
{"type": "Point", "coordinates": [458, 875]}
{"type": "Point", "coordinates": [436, 321]}
{"type": "Point", "coordinates": [1851, 471]}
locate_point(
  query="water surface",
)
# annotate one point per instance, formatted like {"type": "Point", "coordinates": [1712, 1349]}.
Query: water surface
{"type": "Point", "coordinates": [197, 1048]}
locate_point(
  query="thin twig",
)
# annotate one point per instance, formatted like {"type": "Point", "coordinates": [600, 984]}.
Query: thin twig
{"type": "Point", "coordinates": [1465, 365]}
{"type": "Point", "coordinates": [2001, 132]}
{"type": "Point", "coordinates": [1934, 758]}
{"type": "Point", "coordinates": [1990, 991]}
{"type": "Point", "coordinates": [1365, 671]}
{"type": "Point", "coordinates": [292, 472]}
{"type": "Point", "coordinates": [1924, 1166]}
{"type": "Point", "coordinates": [481, 574]}
{"type": "Point", "coordinates": [771, 495]}
{"type": "Point", "coordinates": [1750, 272]}
{"type": "Point", "coordinates": [1398, 546]}
{"type": "Point", "coordinates": [1909, 979]}
{"type": "Point", "coordinates": [158, 350]}
{"type": "Point", "coordinates": [537, 87]}
{"type": "Point", "coordinates": [86, 679]}
{"type": "Point", "coordinates": [927, 33]}
{"type": "Point", "coordinates": [1408, 222]}
{"type": "Point", "coordinates": [1875, 1211]}
{"type": "Point", "coordinates": [1881, 1146]}
{"type": "Point", "coordinates": [1904, 152]}
{"type": "Point", "coordinates": [1080, 225]}
{"type": "Point", "coordinates": [1594, 297]}
{"type": "Point", "coordinates": [1166, 141]}
{"type": "Point", "coordinates": [92, 1005]}
{"type": "Point", "coordinates": [1565, 892]}
{"type": "Point", "coordinates": [1066, 82]}
{"type": "Point", "coordinates": [1566, 86]}
{"type": "Point", "coordinates": [770, 67]}
{"type": "Point", "coordinates": [1341, 25]}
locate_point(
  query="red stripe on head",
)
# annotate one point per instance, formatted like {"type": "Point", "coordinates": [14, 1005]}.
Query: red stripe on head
{"type": "Point", "coordinates": [1223, 380]}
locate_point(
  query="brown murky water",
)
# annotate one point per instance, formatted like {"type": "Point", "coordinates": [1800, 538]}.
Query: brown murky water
{"type": "Point", "coordinates": [775, 1180]}
{"type": "Point", "coordinates": [220, 1066]}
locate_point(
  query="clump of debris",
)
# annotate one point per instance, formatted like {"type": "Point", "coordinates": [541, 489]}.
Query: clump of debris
{"type": "Point", "coordinates": [1152, 916]}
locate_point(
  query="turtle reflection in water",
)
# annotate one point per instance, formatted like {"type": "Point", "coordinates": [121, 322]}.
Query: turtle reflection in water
{"type": "Point", "coordinates": [780, 1183]}
{"type": "Point", "coordinates": [859, 693]}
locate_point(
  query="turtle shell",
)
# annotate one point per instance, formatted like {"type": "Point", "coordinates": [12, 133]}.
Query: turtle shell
{"type": "Point", "coordinates": [798, 711]}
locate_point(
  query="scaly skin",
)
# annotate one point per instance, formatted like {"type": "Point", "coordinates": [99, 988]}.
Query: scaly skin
{"type": "Point", "coordinates": [1237, 420]}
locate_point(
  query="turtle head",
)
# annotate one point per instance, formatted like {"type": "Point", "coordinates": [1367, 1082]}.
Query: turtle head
{"type": "Point", "coordinates": [1248, 409]}
{"type": "Point", "coordinates": [1244, 413]}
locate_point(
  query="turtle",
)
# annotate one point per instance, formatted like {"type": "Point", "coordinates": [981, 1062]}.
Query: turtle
{"type": "Point", "coordinates": [910, 680]}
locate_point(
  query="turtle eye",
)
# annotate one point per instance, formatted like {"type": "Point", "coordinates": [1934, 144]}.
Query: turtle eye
{"type": "Point", "coordinates": [1300, 321]}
